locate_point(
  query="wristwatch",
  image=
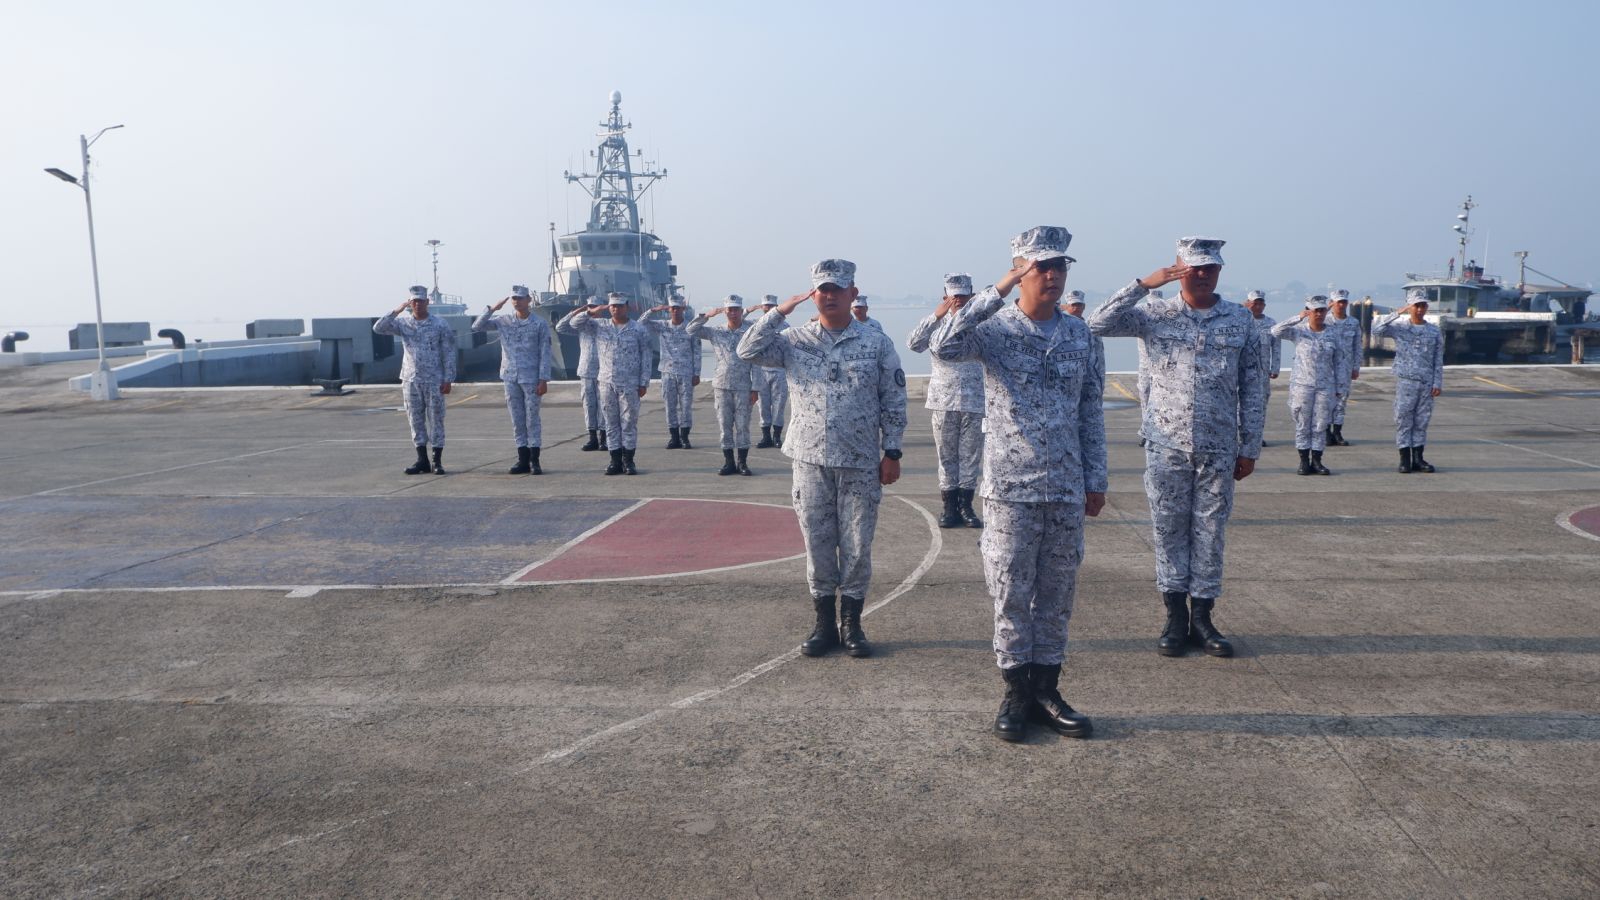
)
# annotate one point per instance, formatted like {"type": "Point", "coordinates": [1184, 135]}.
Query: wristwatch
{"type": "Point", "coordinates": [892, 454]}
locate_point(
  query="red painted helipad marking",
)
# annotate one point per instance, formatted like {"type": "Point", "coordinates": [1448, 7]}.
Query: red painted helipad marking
{"type": "Point", "coordinates": [677, 537]}
{"type": "Point", "coordinates": [1586, 521]}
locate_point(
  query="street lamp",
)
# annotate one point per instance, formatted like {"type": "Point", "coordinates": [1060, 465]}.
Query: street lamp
{"type": "Point", "coordinates": [103, 384]}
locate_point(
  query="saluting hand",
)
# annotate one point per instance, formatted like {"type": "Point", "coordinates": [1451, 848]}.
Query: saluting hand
{"type": "Point", "coordinates": [1013, 277]}
{"type": "Point", "coordinates": [501, 303]}
{"type": "Point", "coordinates": [1163, 276]}
{"type": "Point", "coordinates": [789, 305]}
{"type": "Point", "coordinates": [944, 307]}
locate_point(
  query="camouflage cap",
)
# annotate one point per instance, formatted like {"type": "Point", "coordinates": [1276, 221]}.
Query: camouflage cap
{"type": "Point", "coordinates": [1200, 251]}
{"type": "Point", "coordinates": [860, 300]}
{"type": "Point", "coordinates": [1073, 298]}
{"type": "Point", "coordinates": [1316, 301]}
{"type": "Point", "coordinates": [616, 298]}
{"type": "Point", "coordinates": [733, 301]}
{"type": "Point", "coordinates": [838, 272]}
{"type": "Point", "coordinates": [419, 292]}
{"type": "Point", "coordinates": [1042, 242]}
{"type": "Point", "coordinates": [1336, 296]}
{"type": "Point", "coordinates": [1416, 295]}
{"type": "Point", "coordinates": [677, 300]}
{"type": "Point", "coordinates": [1255, 295]}
{"type": "Point", "coordinates": [520, 291]}
{"type": "Point", "coordinates": [769, 300]}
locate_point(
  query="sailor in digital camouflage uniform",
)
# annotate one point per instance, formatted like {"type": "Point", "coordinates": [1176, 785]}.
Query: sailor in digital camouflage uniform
{"type": "Point", "coordinates": [623, 347]}
{"type": "Point", "coordinates": [1418, 375]}
{"type": "Point", "coordinates": [1314, 380]}
{"type": "Point", "coordinates": [1271, 348]}
{"type": "Point", "coordinates": [524, 371]}
{"type": "Point", "coordinates": [1044, 469]}
{"type": "Point", "coordinates": [847, 396]}
{"type": "Point", "coordinates": [1202, 428]}
{"type": "Point", "coordinates": [774, 390]}
{"type": "Point", "coordinates": [955, 395]}
{"type": "Point", "coordinates": [734, 382]}
{"type": "Point", "coordinates": [1348, 331]}
{"type": "Point", "coordinates": [426, 373]}
{"type": "Point", "coordinates": [589, 385]}
{"type": "Point", "coordinates": [680, 367]}
{"type": "Point", "coordinates": [858, 309]}
{"type": "Point", "coordinates": [1142, 382]}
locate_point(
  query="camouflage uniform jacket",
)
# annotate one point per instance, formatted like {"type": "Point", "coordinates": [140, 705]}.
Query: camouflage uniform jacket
{"type": "Point", "coordinates": [1207, 390]}
{"type": "Point", "coordinates": [1046, 431]}
{"type": "Point", "coordinates": [1317, 354]}
{"type": "Point", "coordinates": [733, 373]}
{"type": "Point", "coordinates": [1418, 349]}
{"type": "Point", "coordinates": [955, 386]}
{"type": "Point", "coordinates": [1271, 348]}
{"type": "Point", "coordinates": [847, 395]}
{"type": "Point", "coordinates": [430, 347]}
{"type": "Point", "coordinates": [1348, 332]}
{"type": "Point", "coordinates": [524, 345]}
{"type": "Point", "coordinates": [680, 351]}
{"type": "Point", "coordinates": [624, 350]}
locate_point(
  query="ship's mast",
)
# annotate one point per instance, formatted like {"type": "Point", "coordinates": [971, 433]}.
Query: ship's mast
{"type": "Point", "coordinates": [1463, 228]}
{"type": "Point", "coordinates": [435, 244]}
{"type": "Point", "coordinates": [615, 188]}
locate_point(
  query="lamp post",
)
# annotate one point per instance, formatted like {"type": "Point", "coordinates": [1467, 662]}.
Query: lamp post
{"type": "Point", "coordinates": [103, 384]}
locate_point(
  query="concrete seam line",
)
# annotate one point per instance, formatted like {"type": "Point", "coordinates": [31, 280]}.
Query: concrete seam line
{"type": "Point", "coordinates": [1565, 521]}
{"type": "Point", "coordinates": [910, 581]}
{"type": "Point", "coordinates": [512, 578]}
{"type": "Point", "coordinates": [208, 462]}
{"type": "Point", "coordinates": [1578, 462]}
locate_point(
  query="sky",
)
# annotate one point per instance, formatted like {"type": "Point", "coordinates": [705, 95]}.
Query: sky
{"type": "Point", "coordinates": [290, 159]}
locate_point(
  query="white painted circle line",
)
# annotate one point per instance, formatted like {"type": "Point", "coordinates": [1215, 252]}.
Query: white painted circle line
{"type": "Point", "coordinates": [935, 544]}
{"type": "Point", "coordinates": [1565, 521]}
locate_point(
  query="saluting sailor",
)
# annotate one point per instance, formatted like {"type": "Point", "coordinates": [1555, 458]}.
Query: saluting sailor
{"type": "Point", "coordinates": [1201, 426]}
{"type": "Point", "coordinates": [955, 395]}
{"type": "Point", "coordinates": [1348, 332]}
{"type": "Point", "coordinates": [774, 390]}
{"type": "Point", "coordinates": [1418, 375]}
{"type": "Point", "coordinates": [848, 396]}
{"type": "Point", "coordinates": [426, 373]}
{"type": "Point", "coordinates": [1271, 348]}
{"type": "Point", "coordinates": [1313, 383]}
{"type": "Point", "coordinates": [1044, 469]}
{"type": "Point", "coordinates": [734, 383]}
{"type": "Point", "coordinates": [680, 367]}
{"type": "Point", "coordinates": [589, 383]}
{"type": "Point", "coordinates": [624, 350]}
{"type": "Point", "coordinates": [858, 308]}
{"type": "Point", "coordinates": [524, 370]}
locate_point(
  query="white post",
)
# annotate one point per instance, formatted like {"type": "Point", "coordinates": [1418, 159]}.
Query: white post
{"type": "Point", "coordinates": [103, 384]}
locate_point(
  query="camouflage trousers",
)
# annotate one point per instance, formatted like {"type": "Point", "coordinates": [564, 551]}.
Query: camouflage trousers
{"type": "Point", "coordinates": [774, 390]}
{"type": "Point", "coordinates": [524, 406]}
{"type": "Point", "coordinates": [958, 441]}
{"type": "Point", "coordinates": [424, 407]}
{"type": "Point", "coordinates": [1191, 497]}
{"type": "Point", "coordinates": [677, 395]}
{"type": "Point", "coordinates": [733, 415]}
{"type": "Point", "coordinates": [1342, 389]}
{"type": "Point", "coordinates": [1413, 410]}
{"type": "Point", "coordinates": [838, 511]}
{"type": "Point", "coordinates": [1031, 553]}
{"type": "Point", "coordinates": [1312, 409]}
{"type": "Point", "coordinates": [619, 403]}
{"type": "Point", "coordinates": [589, 393]}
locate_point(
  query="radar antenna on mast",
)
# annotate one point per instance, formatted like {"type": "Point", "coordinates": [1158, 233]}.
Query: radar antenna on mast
{"type": "Point", "coordinates": [614, 187]}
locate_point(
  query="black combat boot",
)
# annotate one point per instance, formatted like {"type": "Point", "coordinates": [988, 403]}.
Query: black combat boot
{"type": "Point", "coordinates": [777, 435]}
{"type": "Point", "coordinates": [1405, 461]}
{"type": "Point", "coordinates": [968, 517]}
{"type": "Point", "coordinates": [728, 467]}
{"type": "Point", "coordinates": [684, 433]}
{"type": "Point", "coordinates": [1204, 634]}
{"type": "Point", "coordinates": [627, 463]}
{"type": "Point", "coordinates": [1305, 464]}
{"type": "Point", "coordinates": [1048, 706]}
{"type": "Point", "coordinates": [744, 456]}
{"type": "Point", "coordinates": [1011, 724]}
{"type": "Point", "coordinates": [438, 460]}
{"type": "Point", "coordinates": [533, 460]}
{"type": "Point", "coordinates": [676, 443]}
{"type": "Point", "coordinates": [850, 633]}
{"type": "Point", "coordinates": [766, 438]}
{"type": "Point", "coordinates": [603, 440]}
{"type": "Point", "coordinates": [522, 467]}
{"type": "Point", "coordinates": [420, 467]}
{"type": "Point", "coordinates": [1417, 462]}
{"type": "Point", "coordinates": [615, 468]}
{"type": "Point", "coordinates": [1175, 637]}
{"type": "Point", "coordinates": [825, 636]}
{"type": "Point", "coordinates": [594, 441]}
{"type": "Point", "coordinates": [1327, 437]}
{"type": "Point", "coordinates": [1316, 463]}
{"type": "Point", "coordinates": [952, 509]}
{"type": "Point", "coordinates": [1336, 436]}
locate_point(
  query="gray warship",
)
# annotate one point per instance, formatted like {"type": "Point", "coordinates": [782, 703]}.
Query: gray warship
{"type": "Point", "coordinates": [613, 251]}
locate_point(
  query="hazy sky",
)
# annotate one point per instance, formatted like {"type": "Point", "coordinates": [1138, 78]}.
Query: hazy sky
{"type": "Point", "coordinates": [290, 158]}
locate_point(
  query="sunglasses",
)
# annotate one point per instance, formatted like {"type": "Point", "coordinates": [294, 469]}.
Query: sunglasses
{"type": "Point", "coordinates": [1059, 264]}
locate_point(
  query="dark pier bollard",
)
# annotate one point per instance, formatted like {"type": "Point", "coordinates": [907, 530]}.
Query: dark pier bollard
{"type": "Point", "coordinates": [8, 344]}
{"type": "Point", "coordinates": [174, 335]}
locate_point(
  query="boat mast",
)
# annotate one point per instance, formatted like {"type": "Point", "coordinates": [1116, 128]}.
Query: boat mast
{"type": "Point", "coordinates": [1463, 228]}
{"type": "Point", "coordinates": [614, 187]}
{"type": "Point", "coordinates": [435, 244]}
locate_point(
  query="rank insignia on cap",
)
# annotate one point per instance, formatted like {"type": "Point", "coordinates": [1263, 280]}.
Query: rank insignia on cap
{"type": "Point", "coordinates": [958, 284]}
{"type": "Point", "coordinates": [520, 291]}
{"type": "Point", "coordinates": [1200, 251]}
{"type": "Point", "coordinates": [419, 292]}
{"type": "Point", "coordinates": [733, 301]}
{"type": "Point", "coordinates": [616, 298]}
{"type": "Point", "coordinates": [1317, 301]}
{"type": "Point", "coordinates": [837, 272]}
{"type": "Point", "coordinates": [1042, 242]}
